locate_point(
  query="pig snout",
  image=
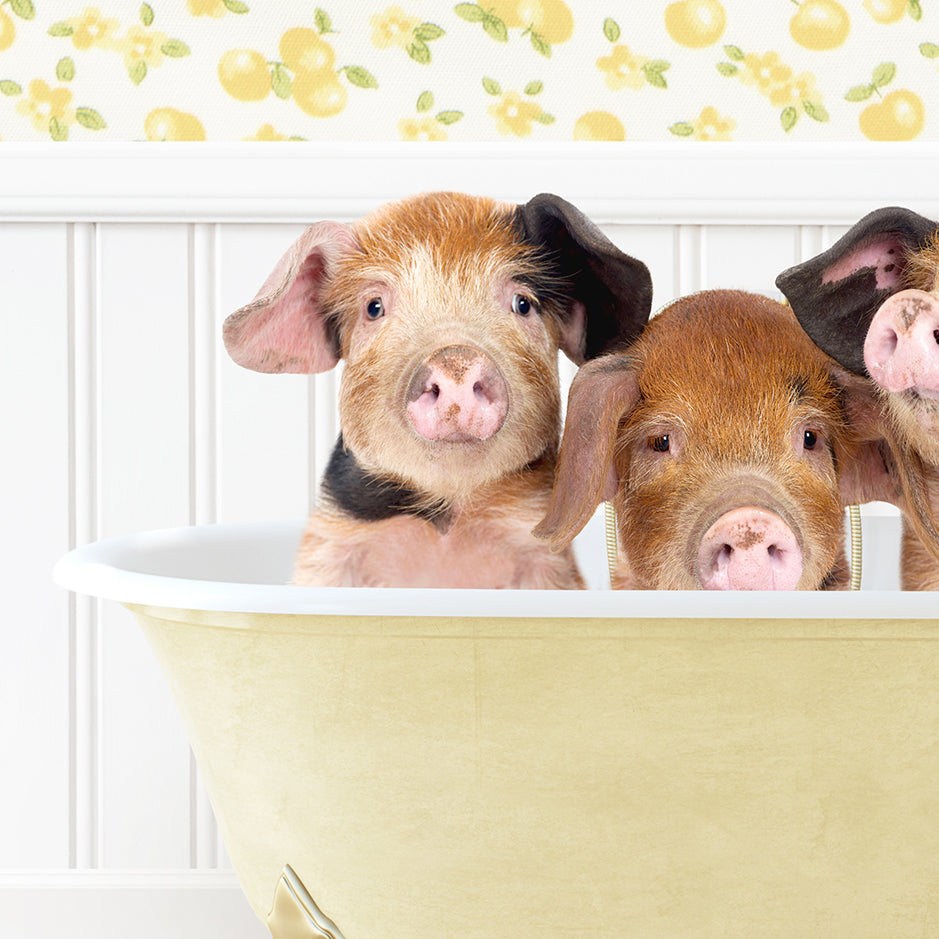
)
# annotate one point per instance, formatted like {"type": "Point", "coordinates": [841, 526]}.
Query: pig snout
{"type": "Point", "coordinates": [901, 350]}
{"type": "Point", "coordinates": [457, 395]}
{"type": "Point", "coordinates": [749, 548]}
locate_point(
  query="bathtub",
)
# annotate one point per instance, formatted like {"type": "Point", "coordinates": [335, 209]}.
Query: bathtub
{"type": "Point", "coordinates": [479, 764]}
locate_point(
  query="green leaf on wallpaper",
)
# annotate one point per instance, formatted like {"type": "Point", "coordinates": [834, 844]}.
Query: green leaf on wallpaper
{"type": "Point", "coordinates": [323, 23]}
{"type": "Point", "coordinates": [146, 14]}
{"type": "Point", "coordinates": [61, 29]}
{"type": "Point", "coordinates": [24, 9]}
{"type": "Point", "coordinates": [545, 118]}
{"type": "Point", "coordinates": [930, 50]}
{"type": "Point", "coordinates": [492, 87]}
{"type": "Point", "coordinates": [10, 89]}
{"type": "Point", "coordinates": [471, 12]}
{"type": "Point", "coordinates": [654, 78]}
{"type": "Point", "coordinates": [235, 6]}
{"type": "Point", "coordinates": [281, 82]}
{"type": "Point", "coordinates": [90, 119]}
{"type": "Point", "coordinates": [682, 129]}
{"type": "Point", "coordinates": [175, 48]}
{"type": "Point", "coordinates": [883, 74]}
{"type": "Point", "coordinates": [541, 45]}
{"type": "Point", "coordinates": [534, 88]}
{"type": "Point", "coordinates": [815, 111]}
{"type": "Point", "coordinates": [735, 53]}
{"type": "Point", "coordinates": [915, 10]}
{"type": "Point", "coordinates": [788, 118]}
{"type": "Point", "coordinates": [727, 69]}
{"type": "Point", "coordinates": [419, 52]}
{"type": "Point", "coordinates": [427, 32]}
{"type": "Point", "coordinates": [425, 102]}
{"type": "Point", "coordinates": [360, 77]}
{"type": "Point", "coordinates": [494, 27]}
{"type": "Point", "coordinates": [65, 70]}
{"type": "Point", "coordinates": [57, 130]}
{"type": "Point", "coordinates": [137, 71]}
{"type": "Point", "coordinates": [449, 117]}
{"type": "Point", "coordinates": [859, 93]}
{"type": "Point", "coordinates": [611, 30]}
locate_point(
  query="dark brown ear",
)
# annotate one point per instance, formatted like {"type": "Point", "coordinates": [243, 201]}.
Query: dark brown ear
{"type": "Point", "coordinates": [614, 288]}
{"type": "Point", "coordinates": [602, 393]}
{"type": "Point", "coordinates": [836, 294]}
{"type": "Point", "coordinates": [283, 329]}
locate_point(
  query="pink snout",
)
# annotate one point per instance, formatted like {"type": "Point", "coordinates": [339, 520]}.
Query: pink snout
{"type": "Point", "coordinates": [902, 346]}
{"type": "Point", "coordinates": [457, 395]}
{"type": "Point", "coordinates": [749, 549]}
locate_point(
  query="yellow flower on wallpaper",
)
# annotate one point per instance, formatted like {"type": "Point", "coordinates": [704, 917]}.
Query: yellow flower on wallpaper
{"type": "Point", "coordinates": [599, 125]}
{"type": "Point", "coordinates": [775, 81]}
{"type": "Point", "coordinates": [622, 69]}
{"type": "Point", "coordinates": [515, 114]}
{"type": "Point", "coordinates": [93, 29]}
{"type": "Point", "coordinates": [425, 126]}
{"type": "Point", "coordinates": [392, 28]}
{"type": "Point", "coordinates": [710, 124]}
{"type": "Point", "coordinates": [45, 106]}
{"type": "Point", "coordinates": [141, 47]}
{"type": "Point", "coordinates": [421, 128]}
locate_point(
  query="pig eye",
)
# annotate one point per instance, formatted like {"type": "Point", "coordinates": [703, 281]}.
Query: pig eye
{"type": "Point", "coordinates": [810, 439]}
{"type": "Point", "coordinates": [521, 304]}
{"type": "Point", "coordinates": [375, 308]}
{"type": "Point", "coordinates": [660, 444]}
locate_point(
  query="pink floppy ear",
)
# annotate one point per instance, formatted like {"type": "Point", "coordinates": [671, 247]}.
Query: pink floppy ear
{"type": "Point", "coordinates": [283, 329]}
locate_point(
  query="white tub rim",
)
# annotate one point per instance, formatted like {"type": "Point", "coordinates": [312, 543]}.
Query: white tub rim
{"type": "Point", "coordinates": [115, 569]}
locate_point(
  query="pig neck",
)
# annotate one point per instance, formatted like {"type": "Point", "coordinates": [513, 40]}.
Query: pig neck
{"type": "Point", "coordinates": [371, 498]}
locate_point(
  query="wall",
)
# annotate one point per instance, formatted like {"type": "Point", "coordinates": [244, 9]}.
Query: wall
{"type": "Point", "coordinates": [542, 70]}
{"type": "Point", "coordinates": [121, 412]}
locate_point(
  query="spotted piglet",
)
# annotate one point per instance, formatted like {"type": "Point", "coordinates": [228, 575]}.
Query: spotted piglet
{"type": "Point", "coordinates": [722, 439]}
{"type": "Point", "coordinates": [871, 301]}
{"type": "Point", "coordinates": [448, 311]}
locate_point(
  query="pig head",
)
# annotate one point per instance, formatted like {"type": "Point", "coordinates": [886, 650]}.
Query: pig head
{"type": "Point", "coordinates": [719, 435]}
{"type": "Point", "coordinates": [871, 301]}
{"type": "Point", "coordinates": [448, 312]}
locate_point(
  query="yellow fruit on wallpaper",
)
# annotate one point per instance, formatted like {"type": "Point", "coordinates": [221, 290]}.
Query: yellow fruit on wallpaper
{"type": "Point", "coordinates": [170, 124]}
{"type": "Point", "coordinates": [886, 11]}
{"type": "Point", "coordinates": [7, 31]}
{"type": "Point", "coordinates": [695, 23]}
{"type": "Point", "coordinates": [900, 116]}
{"type": "Point", "coordinates": [820, 25]}
{"type": "Point", "coordinates": [244, 74]}
{"type": "Point", "coordinates": [599, 125]}
{"type": "Point", "coordinates": [303, 50]}
{"type": "Point", "coordinates": [552, 20]}
{"type": "Point", "coordinates": [319, 94]}
{"type": "Point", "coordinates": [507, 11]}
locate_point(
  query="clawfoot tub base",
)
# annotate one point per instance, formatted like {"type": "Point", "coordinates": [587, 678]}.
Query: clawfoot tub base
{"type": "Point", "coordinates": [295, 915]}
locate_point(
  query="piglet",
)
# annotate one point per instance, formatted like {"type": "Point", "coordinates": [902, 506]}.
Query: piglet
{"type": "Point", "coordinates": [871, 301]}
{"type": "Point", "coordinates": [720, 435]}
{"type": "Point", "coordinates": [448, 311]}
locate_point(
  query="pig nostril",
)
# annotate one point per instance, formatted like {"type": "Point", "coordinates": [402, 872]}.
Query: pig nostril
{"type": "Point", "coordinates": [434, 391]}
{"type": "Point", "coordinates": [479, 390]}
{"type": "Point", "coordinates": [935, 335]}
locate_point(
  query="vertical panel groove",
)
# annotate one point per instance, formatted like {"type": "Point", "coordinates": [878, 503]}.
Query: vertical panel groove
{"type": "Point", "coordinates": [203, 473]}
{"type": "Point", "coordinates": [84, 526]}
{"type": "Point", "coordinates": [690, 258]}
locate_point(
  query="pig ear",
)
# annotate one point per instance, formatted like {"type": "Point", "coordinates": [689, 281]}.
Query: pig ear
{"type": "Point", "coordinates": [612, 291]}
{"type": "Point", "coordinates": [602, 393]}
{"type": "Point", "coordinates": [836, 294]}
{"type": "Point", "coordinates": [283, 329]}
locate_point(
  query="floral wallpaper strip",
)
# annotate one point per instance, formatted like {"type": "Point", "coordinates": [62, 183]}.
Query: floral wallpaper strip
{"type": "Point", "coordinates": [538, 70]}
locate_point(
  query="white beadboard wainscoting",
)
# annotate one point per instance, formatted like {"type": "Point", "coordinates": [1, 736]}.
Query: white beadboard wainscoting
{"type": "Point", "coordinates": [122, 412]}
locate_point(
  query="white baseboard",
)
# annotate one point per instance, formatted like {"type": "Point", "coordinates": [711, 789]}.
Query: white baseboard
{"type": "Point", "coordinates": [118, 904]}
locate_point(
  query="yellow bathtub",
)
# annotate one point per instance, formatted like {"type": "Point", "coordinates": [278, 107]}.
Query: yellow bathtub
{"type": "Point", "coordinates": [481, 764]}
